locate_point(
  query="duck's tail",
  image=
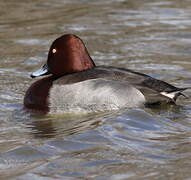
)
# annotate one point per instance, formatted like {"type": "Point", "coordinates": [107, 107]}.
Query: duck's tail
{"type": "Point", "coordinates": [173, 95]}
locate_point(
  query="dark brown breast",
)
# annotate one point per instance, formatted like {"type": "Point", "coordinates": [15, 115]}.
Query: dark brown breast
{"type": "Point", "coordinates": [36, 97]}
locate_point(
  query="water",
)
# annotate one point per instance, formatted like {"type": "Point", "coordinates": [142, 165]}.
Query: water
{"type": "Point", "coordinates": [153, 37]}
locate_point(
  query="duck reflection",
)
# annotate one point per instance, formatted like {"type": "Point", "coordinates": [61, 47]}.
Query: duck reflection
{"type": "Point", "coordinates": [59, 126]}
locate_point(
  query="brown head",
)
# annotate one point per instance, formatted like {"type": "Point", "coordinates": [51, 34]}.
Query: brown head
{"type": "Point", "coordinates": [67, 54]}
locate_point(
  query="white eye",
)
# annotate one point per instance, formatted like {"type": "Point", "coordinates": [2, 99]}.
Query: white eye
{"type": "Point", "coordinates": [53, 50]}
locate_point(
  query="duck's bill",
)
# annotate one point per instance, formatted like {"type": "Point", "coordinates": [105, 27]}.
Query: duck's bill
{"type": "Point", "coordinates": [41, 72]}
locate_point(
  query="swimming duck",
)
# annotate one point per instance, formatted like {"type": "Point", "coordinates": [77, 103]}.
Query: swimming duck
{"type": "Point", "coordinates": [75, 84]}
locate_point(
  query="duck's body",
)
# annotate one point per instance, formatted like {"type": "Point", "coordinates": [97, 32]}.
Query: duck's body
{"type": "Point", "coordinates": [80, 86]}
{"type": "Point", "coordinates": [93, 95]}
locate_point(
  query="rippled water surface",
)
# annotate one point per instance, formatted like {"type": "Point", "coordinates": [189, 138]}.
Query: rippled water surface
{"type": "Point", "coordinates": [149, 36]}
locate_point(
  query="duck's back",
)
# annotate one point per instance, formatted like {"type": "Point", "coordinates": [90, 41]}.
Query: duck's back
{"type": "Point", "coordinates": [109, 73]}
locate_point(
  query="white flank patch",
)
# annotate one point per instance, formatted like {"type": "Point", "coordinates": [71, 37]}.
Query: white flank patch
{"type": "Point", "coordinates": [169, 95]}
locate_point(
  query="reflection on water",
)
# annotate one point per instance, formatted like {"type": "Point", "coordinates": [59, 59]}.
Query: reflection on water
{"type": "Point", "coordinates": [153, 37]}
{"type": "Point", "coordinates": [62, 125]}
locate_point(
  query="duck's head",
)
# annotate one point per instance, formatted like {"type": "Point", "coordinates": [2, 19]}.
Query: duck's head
{"type": "Point", "coordinates": [67, 54]}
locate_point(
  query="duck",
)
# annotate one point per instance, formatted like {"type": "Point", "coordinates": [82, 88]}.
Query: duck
{"type": "Point", "coordinates": [73, 83]}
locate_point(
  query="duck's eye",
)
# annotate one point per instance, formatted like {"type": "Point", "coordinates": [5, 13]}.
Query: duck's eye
{"type": "Point", "coordinates": [53, 50]}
